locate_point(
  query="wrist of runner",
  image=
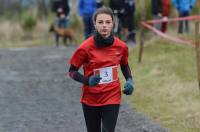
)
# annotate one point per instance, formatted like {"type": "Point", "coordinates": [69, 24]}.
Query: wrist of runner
{"type": "Point", "coordinates": [86, 81]}
{"type": "Point", "coordinates": [92, 80]}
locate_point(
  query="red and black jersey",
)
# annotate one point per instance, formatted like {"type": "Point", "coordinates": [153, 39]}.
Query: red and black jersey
{"type": "Point", "coordinates": [92, 58]}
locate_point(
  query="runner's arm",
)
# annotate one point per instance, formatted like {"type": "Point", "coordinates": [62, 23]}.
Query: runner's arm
{"type": "Point", "coordinates": [74, 74]}
{"type": "Point", "coordinates": [126, 71]}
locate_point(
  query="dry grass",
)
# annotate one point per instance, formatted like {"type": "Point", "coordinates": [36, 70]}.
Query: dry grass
{"type": "Point", "coordinates": [12, 35]}
{"type": "Point", "coordinates": [9, 31]}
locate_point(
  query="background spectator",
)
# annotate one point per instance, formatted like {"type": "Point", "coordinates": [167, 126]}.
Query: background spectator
{"type": "Point", "coordinates": [117, 7]}
{"type": "Point", "coordinates": [129, 20]}
{"type": "Point", "coordinates": [62, 11]}
{"type": "Point", "coordinates": [86, 8]}
{"type": "Point", "coordinates": [156, 7]}
{"type": "Point", "coordinates": [184, 8]}
{"type": "Point", "coordinates": [61, 19]}
{"type": "Point", "coordinates": [166, 5]}
{"type": "Point", "coordinates": [64, 4]}
{"type": "Point", "coordinates": [99, 3]}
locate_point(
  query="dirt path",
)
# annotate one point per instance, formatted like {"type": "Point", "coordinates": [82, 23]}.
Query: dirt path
{"type": "Point", "coordinates": [36, 96]}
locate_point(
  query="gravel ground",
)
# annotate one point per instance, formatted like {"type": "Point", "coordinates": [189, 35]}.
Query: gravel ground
{"type": "Point", "coordinates": [36, 95]}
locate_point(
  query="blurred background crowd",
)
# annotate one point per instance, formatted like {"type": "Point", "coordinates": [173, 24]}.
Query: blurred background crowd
{"type": "Point", "coordinates": [30, 19]}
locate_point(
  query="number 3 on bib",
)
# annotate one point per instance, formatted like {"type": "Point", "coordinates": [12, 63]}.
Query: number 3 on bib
{"type": "Point", "coordinates": [108, 74]}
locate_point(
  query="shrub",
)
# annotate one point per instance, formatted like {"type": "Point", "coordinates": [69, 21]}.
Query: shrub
{"type": "Point", "coordinates": [28, 22]}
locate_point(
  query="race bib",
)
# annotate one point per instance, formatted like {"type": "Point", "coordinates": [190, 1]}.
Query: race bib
{"type": "Point", "coordinates": [108, 74]}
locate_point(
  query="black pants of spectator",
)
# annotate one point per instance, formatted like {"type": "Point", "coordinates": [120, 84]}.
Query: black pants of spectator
{"type": "Point", "coordinates": [180, 27]}
{"type": "Point", "coordinates": [101, 118]}
{"type": "Point", "coordinates": [129, 24]}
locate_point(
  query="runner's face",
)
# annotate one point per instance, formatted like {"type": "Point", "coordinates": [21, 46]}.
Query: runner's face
{"type": "Point", "coordinates": [104, 24]}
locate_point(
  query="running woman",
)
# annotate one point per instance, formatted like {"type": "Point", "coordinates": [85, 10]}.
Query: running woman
{"type": "Point", "coordinates": [101, 55]}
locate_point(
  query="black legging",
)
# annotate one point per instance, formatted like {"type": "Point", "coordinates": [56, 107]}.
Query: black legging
{"type": "Point", "coordinates": [105, 116]}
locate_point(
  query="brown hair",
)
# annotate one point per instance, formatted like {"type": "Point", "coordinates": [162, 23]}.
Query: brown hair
{"type": "Point", "coordinates": [102, 10]}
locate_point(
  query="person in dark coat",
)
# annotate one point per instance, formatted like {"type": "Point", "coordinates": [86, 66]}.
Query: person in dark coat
{"type": "Point", "coordinates": [64, 4]}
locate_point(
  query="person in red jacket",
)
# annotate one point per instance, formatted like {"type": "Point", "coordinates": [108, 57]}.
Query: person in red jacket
{"type": "Point", "coordinates": [166, 5]}
{"type": "Point", "coordinates": [100, 56]}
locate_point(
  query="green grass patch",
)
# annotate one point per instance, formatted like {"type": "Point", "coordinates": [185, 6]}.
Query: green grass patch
{"type": "Point", "coordinates": [166, 85]}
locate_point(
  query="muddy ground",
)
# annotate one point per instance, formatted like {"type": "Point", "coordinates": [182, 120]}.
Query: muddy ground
{"type": "Point", "coordinates": [36, 95]}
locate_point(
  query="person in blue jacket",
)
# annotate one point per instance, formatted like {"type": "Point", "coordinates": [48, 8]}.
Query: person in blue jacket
{"type": "Point", "coordinates": [86, 8]}
{"type": "Point", "coordinates": [184, 8]}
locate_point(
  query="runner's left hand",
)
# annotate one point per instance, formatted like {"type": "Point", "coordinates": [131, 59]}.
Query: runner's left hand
{"type": "Point", "coordinates": [128, 87]}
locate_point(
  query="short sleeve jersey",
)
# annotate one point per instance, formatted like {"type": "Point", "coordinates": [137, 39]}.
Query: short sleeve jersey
{"type": "Point", "coordinates": [91, 57]}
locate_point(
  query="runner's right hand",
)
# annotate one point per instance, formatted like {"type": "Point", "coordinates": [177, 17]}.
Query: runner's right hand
{"type": "Point", "coordinates": [94, 80]}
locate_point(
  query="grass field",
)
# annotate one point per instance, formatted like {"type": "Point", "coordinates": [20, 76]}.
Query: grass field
{"type": "Point", "coordinates": [166, 85]}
